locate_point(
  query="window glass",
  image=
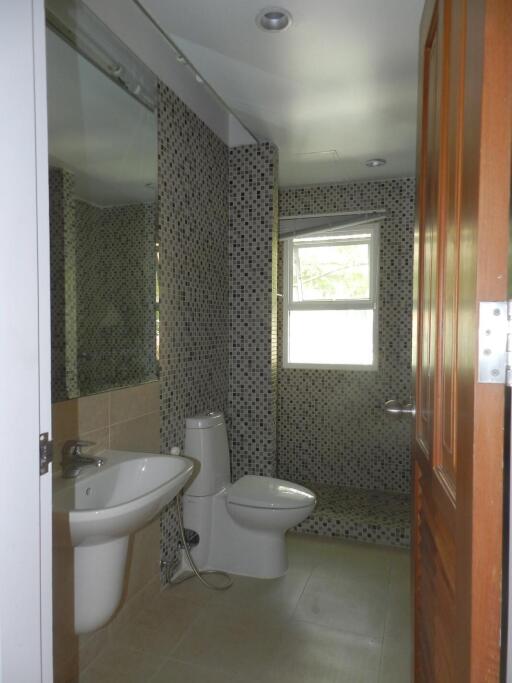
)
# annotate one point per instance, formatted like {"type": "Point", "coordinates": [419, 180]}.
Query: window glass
{"type": "Point", "coordinates": [330, 311]}
{"type": "Point", "coordinates": [331, 337]}
{"type": "Point", "coordinates": [331, 271]}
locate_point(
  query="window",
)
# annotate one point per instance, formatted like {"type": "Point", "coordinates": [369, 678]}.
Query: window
{"type": "Point", "coordinates": [330, 299]}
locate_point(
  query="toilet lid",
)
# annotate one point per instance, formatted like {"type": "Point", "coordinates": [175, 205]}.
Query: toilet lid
{"type": "Point", "coordinates": [266, 492]}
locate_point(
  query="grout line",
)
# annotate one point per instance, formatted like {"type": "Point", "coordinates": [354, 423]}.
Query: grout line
{"type": "Point", "coordinates": [132, 419]}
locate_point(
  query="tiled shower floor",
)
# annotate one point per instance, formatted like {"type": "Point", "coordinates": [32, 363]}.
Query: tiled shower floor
{"type": "Point", "coordinates": [369, 516]}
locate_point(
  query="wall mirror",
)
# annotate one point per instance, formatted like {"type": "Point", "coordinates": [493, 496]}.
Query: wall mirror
{"type": "Point", "coordinates": [103, 209]}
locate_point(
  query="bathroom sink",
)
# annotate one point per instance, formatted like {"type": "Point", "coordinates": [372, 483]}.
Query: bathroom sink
{"type": "Point", "coordinates": [120, 497]}
{"type": "Point", "coordinates": [96, 512]}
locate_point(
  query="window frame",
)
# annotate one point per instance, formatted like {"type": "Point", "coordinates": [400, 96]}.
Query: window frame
{"type": "Point", "coordinates": [372, 303]}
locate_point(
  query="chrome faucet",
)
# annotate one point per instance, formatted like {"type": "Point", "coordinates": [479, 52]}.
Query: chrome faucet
{"type": "Point", "coordinates": [73, 460]}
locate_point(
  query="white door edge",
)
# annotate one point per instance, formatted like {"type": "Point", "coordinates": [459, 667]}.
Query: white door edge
{"type": "Point", "coordinates": [25, 403]}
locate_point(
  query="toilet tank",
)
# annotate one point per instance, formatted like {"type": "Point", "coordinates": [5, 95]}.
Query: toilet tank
{"type": "Point", "coordinates": [206, 442]}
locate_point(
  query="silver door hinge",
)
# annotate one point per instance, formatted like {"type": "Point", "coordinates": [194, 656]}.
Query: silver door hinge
{"type": "Point", "coordinates": [45, 453]}
{"type": "Point", "coordinates": [495, 343]}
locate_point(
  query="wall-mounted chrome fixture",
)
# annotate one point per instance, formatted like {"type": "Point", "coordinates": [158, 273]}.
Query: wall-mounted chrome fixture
{"type": "Point", "coordinates": [274, 19]}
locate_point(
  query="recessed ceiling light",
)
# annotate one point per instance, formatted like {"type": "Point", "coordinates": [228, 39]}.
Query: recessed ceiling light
{"type": "Point", "coordinates": [274, 19]}
{"type": "Point", "coordinates": [373, 163]}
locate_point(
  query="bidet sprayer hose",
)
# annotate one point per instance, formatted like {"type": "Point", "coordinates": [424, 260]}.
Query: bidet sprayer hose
{"type": "Point", "coordinates": [195, 571]}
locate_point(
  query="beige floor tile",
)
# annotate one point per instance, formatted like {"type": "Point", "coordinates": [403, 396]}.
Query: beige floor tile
{"type": "Point", "coordinates": [235, 645]}
{"type": "Point", "coordinates": [285, 591]}
{"type": "Point", "coordinates": [353, 559]}
{"type": "Point", "coordinates": [400, 563]}
{"type": "Point", "coordinates": [395, 665]}
{"type": "Point", "coordinates": [158, 629]}
{"type": "Point", "coordinates": [182, 672]}
{"type": "Point", "coordinates": [130, 666]}
{"type": "Point", "coordinates": [351, 603]}
{"type": "Point", "coordinates": [93, 675]}
{"type": "Point", "coordinates": [399, 620]}
{"type": "Point", "coordinates": [303, 551]}
{"type": "Point", "coordinates": [341, 615]}
{"type": "Point", "coordinates": [314, 654]}
{"type": "Point", "coordinates": [191, 590]}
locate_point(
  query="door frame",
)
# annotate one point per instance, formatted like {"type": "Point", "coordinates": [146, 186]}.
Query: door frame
{"type": "Point", "coordinates": [25, 399]}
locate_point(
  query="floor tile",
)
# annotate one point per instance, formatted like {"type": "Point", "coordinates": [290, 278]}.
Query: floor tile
{"type": "Point", "coordinates": [314, 654]}
{"type": "Point", "coordinates": [340, 615]}
{"type": "Point", "coordinates": [158, 628]}
{"type": "Point", "coordinates": [94, 675]}
{"type": "Point", "coordinates": [282, 593]}
{"type": "Point", "coordinates": [130, 666]}
{"type": "Point", "coordinates": [353, 559]}
{"type": "Point", "coordinates": [182, 672]}
{"type": "Point", "coordinates": [395, 666]}
{"type": "Point", "coordinates": [234, 644]}
{"type": "Point", "coordinates": [191, 589]}
{"type": "Point", "coordinates": [354, 604]}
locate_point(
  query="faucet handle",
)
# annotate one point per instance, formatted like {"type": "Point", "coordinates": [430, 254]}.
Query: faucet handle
{"type": "Point", "coordinates": [74, 447]}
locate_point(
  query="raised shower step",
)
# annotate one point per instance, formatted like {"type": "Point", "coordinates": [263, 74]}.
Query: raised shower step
{"type": "Point", "coordinates": [368, 516]}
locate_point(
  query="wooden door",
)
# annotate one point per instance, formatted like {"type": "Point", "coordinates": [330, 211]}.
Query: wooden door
{"type": "Point", "coordinates": [461, 246]}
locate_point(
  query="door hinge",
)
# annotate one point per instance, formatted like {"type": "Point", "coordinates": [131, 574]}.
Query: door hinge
{"type": "Point", "coordinates": [45, 453]}
{"type": "Point", "coordinates": [495, 343]}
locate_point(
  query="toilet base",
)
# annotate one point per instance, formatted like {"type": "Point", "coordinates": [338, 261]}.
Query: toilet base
{"type": "Point", "coordinates": [227, 546]}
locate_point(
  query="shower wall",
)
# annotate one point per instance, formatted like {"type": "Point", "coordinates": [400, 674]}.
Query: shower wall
{"type": "Point", "coordinates": [330, 426]}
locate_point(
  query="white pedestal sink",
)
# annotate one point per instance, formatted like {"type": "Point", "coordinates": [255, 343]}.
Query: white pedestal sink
{"type": "Point", "coordinates": [98, 510]}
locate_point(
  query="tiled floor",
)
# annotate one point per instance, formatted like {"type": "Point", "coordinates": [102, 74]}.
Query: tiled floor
{"type": "Point", "coordinates": [371, 516]}
{"type": "Point", "coordinates": [340, 615]}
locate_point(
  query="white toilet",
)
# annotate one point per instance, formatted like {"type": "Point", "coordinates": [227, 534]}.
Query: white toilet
{"type": "Point", "coordinates": [241, 526]}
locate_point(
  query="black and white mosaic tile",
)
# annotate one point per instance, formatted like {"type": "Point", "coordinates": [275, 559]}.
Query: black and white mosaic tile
{"type": "Point", "coordinates": [194, 277]}
{"type": "Point", "coordinates": [253, 224]}
{"type": "Point", "coordinates": [63, 285]}
{"type": "Point", "coordinates": [102, 292]}
{"type": "Point", "coordinates": [368, 516]}
{"type": "Point", "coordinates": [115, 279]}
{"type": "Point", "coordinates": [331, 428]}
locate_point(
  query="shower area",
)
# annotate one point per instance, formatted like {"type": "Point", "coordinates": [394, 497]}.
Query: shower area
{"type": "Point", "coordinates": [332, 432]}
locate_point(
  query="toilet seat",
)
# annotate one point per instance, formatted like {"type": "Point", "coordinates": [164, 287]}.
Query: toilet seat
{"type": "Point", "coordinates": [269, 493]}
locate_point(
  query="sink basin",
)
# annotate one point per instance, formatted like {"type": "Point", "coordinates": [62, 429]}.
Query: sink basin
{"type": "Point", "coordinates": [97, 512]}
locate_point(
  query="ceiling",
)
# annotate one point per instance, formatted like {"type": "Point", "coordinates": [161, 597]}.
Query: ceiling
{"type": "Point", "coordinates": [99, 132]}
{"type": "Point", "coordinates": [335, 89]}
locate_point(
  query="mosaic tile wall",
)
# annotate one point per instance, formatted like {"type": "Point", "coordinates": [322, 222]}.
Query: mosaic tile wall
{"type": "Point", "coordinates": [116, 264]}
{"type": "Point", "coordinates": [102, 291]}
{"type": "Point", "coordinates": [63, 284]}
{"type": "Point", "coordinates": [253, 224]}
{"type": "Point", "coordinates": [194, 277]}
{"type": "Point", "coordinates": [331, 429]}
